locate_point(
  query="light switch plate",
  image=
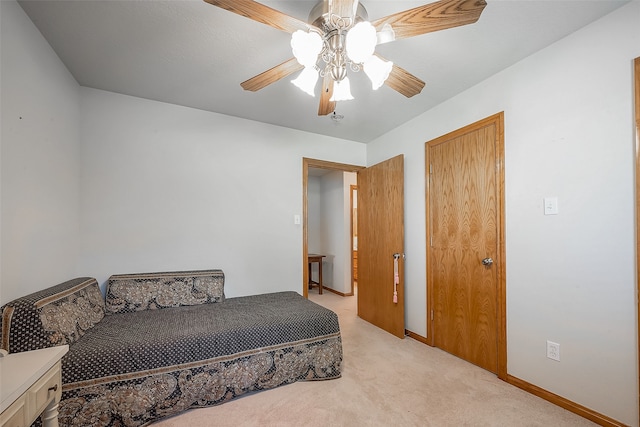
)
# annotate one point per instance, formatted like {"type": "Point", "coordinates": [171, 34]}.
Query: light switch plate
{"type": "Point", "coordinates": [551, 206]}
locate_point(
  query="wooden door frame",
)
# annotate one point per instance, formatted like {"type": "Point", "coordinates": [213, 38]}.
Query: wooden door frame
{"type": "Point", "coordinates": [501, 306]}
{"type": "Point", "coordinates": [320, 164]}
{"type": "Point", "coordinates": [352, 188]}
{"type": "Point", "coordinates": [637, 129]}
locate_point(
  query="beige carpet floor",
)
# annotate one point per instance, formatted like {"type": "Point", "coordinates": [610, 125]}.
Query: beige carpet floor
{"type": "Point", "coordinates": [386, 382]}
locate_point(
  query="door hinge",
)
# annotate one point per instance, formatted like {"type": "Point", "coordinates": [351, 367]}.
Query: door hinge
{"type": "Point", "coordinates": [431, 314]}
{"type": "Point", "coordinates": [431, 240]}
{"type": "Point", "coordinates": [430, 169]}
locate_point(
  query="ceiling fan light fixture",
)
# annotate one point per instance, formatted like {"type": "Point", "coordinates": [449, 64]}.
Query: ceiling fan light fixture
{"type": "Point", "coordinates": [386, 34]}
{"type": "Point", "coordinates": [361, 42]}
{"type": "Point", "coordinates": [338, 36]}
{"type": "Point", "coordinates": [338, 71]}
{"type": "Point", "coordinates": [306, 80]}
{"type": "Point", "coordinates": [341, 91]}
{"type": "Point", "coordinates": [306, 47]}
{"type": "Point", "coordinates": [377, 70]}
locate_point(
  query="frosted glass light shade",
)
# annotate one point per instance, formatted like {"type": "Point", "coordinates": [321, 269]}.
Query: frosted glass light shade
{"type": "Point", "coordinates": [341, 90]}
{"type": "Point", "coordinates": [386, 34]}
{"type": "Point", "coordinates": [306, 47]}
{"type": "Point", "coordinates": [377, 70]}
{"type": "Point", "coordinates": [361, 42]}
{"type": "Point", "coordinates": [306, 80]}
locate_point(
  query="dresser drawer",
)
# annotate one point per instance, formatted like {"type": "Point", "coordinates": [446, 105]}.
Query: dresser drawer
{"type": "Point", "coordinates": [15, 415]}
{"type": "Point", "coordinates": [46, 389]}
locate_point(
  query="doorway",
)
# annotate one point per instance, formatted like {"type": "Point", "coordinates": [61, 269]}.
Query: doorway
{"type": "Point", "coordinates": [317, 164]}
{"type": "Point", "coordinates": [354, 238]}
{"type": "Point", "coordinates": [329, 227]}
{"type": "Point", "coordinates": [380, 254]}
{"type": "Point", "coordinates": [466, 284]}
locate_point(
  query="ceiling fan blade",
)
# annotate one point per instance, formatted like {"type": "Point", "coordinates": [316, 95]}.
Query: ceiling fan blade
{"type": "Point", "coordinates": [404, 82]}
{"type": "Point", "coordinates": [431, 17]}
{"type": "Point", "coordinates": [272, 75]}
{"type": "Point", "coordinates": [326, 107]}
{"type": "Point", "coordinates": [261, 13]}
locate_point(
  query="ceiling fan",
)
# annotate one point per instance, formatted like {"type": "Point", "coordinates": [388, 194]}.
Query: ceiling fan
{"type": "Point", "coordinates": [339, 37]}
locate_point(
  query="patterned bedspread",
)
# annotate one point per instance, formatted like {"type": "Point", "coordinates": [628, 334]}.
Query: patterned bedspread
{"type": "Point", "coordinates": [133, 368]}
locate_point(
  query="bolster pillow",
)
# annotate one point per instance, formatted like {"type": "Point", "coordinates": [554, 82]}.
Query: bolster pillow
{"type": "Point", "coordinates": [150, 291]}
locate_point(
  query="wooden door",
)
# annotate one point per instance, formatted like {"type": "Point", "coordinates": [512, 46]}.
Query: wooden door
{"type": "Point", "coordinates": [465, 250]}
{"type": "Point", "coordinates": [380, 236]}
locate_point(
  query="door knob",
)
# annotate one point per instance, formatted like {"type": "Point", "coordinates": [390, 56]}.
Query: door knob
{"type": "Point", "coordinates": [487, 261]}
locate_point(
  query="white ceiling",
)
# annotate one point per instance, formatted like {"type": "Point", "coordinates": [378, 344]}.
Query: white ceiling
{"type": "Point", "coordinates": [190, 53]}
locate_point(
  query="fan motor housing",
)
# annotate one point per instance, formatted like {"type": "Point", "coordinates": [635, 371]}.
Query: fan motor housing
{"type": "Point", "coordinates": [319, 15]}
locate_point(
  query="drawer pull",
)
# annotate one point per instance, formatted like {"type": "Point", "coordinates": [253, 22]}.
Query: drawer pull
{"type": "Point", "coordinates": [54, 388]}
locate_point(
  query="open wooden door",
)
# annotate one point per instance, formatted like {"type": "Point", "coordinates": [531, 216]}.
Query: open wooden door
{"type": "Point", "coordinates": [380, 236]}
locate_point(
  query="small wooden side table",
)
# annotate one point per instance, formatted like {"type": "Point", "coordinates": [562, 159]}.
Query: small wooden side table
{"type": "Point", "coordinates": [316, 258]}
{"type": "Point", "coordinates": [30, 386]}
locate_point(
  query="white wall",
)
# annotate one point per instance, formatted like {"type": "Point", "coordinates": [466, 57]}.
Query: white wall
{"type": "Point", "coordinates": [314, 202]}
{"type": "Point", "coordinates": [336, 226]}
{"type": "Point", "coordinates": [333, 229]}
{"type": "Point", "coordinates": [40, 160]}
{"type": "Point", "coordinates": [148, 186]}
{"type": "Point", "coordinates": [166, 187]}
{"type": "Point", "coordinates": [571, 277]}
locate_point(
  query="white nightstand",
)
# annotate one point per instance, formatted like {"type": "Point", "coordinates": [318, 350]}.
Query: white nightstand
{"type": "Point", "coordinates": [31, 385]}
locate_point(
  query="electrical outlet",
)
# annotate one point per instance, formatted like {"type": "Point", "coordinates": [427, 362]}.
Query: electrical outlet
{"type": "Point", "coordinates": [553, 350]}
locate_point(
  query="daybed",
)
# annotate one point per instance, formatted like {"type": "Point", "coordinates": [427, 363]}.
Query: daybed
{"type": "Point", "coordinates": [162, 343]}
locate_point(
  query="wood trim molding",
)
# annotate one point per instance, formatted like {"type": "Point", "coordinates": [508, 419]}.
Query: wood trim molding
{"type": "Point", "coordinates": [637, 115]}
{"type": "Point", "coordinates": [342, 294]}
{"type": "Point", "coordinates": [322, 164]}
{"type": "Point", "coordinates": [417, 337]}
{"type": "Point", "coordinates": [562, 402]}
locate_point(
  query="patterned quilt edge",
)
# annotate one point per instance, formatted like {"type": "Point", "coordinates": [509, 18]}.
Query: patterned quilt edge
{"type": "Point", "coordinates": [141, 401]}
{"type": "Point", "coordinates": [191, 365]}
